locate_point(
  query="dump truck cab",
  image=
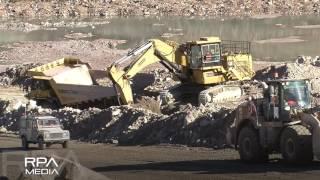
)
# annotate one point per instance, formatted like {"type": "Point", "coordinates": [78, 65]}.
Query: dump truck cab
{"type": "Point", "coordinates": [42, 130]}
{"type": "Point", "coordinates": [283, 121]}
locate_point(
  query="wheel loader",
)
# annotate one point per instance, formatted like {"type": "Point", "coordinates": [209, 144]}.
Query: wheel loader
{"type": "Point", "coordinates": [283, 121]}
{"type": "Point", "coordinates": [199, 65]}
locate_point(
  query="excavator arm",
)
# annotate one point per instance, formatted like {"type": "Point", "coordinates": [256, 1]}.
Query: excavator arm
{"type": "Point", "coordinates": [149, 53]}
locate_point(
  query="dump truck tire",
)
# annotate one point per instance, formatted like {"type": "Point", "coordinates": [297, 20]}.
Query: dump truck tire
{"type": "Point", "coordinates": [296, 144]}
{"type": "Point", "coordinates": [250, 149]}
{"type": "Point", "coordinates": [24, 143]}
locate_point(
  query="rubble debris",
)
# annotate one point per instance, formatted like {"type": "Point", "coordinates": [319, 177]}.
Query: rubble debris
{"type": "Point", "coordinates": [9, 117]}
{"type": "Point", "coordinates": [304, 67]}
{"type": "Point", "coordinates": [16, 74]}
{"type": "Point", "coordinates": [163, 79]}
{"type": "Point", "coordinates": [128, 125]}
{"type": "Point", "coordinates": [149, 103]}
{"type": "Point", "coordinates": [83, 8]}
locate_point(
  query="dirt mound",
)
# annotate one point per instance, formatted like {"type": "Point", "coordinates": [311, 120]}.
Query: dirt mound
{"type": "Point", "coordinates": [126, 125]}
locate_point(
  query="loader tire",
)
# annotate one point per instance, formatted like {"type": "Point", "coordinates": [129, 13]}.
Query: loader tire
{"type": "Point", "coordinates": [296, 144]}
{"type": "Point", "coordinates": [250, 149]}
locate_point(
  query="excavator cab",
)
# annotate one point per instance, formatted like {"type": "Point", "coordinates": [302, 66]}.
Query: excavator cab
{"type": "Point", "coordinates": [204, 53]}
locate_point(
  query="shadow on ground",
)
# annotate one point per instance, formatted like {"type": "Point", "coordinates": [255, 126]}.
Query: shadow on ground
{"type": "Point", "coordinates": [215, 167]}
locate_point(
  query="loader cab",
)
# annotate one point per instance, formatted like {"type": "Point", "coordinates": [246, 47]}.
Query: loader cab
{"type": "Point", "coordinates": [282, 96]}
{"type": "Point", "coordinates": [204, 53]}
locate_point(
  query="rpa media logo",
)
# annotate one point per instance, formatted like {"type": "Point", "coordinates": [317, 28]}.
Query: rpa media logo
{"type": "Point", "coordinates": [41, 166]}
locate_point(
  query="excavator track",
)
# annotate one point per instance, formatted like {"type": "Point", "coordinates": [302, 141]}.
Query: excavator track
{"type": "Point", "coordinates": [204, 95]}
{"type": "Point", "coordinates": [219, 93]}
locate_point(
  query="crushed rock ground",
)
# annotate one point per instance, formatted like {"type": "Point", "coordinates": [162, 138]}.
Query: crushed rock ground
{"type": "Point", "coordinates": [131, 125]}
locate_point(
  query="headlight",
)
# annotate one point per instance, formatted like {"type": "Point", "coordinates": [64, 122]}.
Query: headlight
{"type": "Point", "coordinates": [66, 134]}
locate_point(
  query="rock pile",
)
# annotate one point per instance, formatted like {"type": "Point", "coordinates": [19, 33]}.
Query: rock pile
{"type": "Point", "coordinates": [126, 125]}
{"type": "Point", "coordinates": [130, 126]}
{"type": "Point", "coordinates": [16, 74]}
{"type": "Point", "coordinates": [305, 67]}
{"type": "Point", "coordinates": [9, 116]}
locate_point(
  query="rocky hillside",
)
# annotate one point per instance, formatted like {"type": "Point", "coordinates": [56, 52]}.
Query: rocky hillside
{"type": "Point", "coordinates": [75, 8]}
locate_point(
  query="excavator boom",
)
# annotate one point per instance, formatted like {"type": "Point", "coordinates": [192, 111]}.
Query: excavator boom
{"type": "Point", "coordinates": [149, 53]}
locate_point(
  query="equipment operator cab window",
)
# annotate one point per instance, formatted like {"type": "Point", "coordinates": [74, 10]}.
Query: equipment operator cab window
{"type": "Point", "coordinates": [205, 55]}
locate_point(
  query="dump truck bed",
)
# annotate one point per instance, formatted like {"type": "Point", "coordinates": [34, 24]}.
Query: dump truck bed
{"type": "Point", "coordinates": [70, 81]}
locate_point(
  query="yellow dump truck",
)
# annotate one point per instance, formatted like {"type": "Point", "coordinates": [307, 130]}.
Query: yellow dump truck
{"type": "Point", "coordinates": [67, 81]}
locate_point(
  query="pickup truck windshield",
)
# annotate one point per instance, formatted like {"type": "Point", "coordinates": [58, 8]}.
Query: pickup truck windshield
{"type": "Point", "coordinates": [48, 122]}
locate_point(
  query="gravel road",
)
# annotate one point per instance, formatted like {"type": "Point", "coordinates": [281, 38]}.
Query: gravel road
{"type": "Point", "coordinates": [158, 162]}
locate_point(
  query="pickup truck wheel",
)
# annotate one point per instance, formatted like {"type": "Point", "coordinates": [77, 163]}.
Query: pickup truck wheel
{"type": "Point", "coordinates": [24, 143]}
{"type": "Point", "coordinates": [41, 143]}
{"type": "Point", "coordinates": [296, 144]}
{"type": "Point", "coordinates": [65, 144]}
{"type": "Point", "coordinates": [250, 149]}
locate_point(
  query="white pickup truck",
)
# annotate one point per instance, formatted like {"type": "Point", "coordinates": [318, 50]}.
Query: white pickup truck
{"type": "Point", "coordinates": [42, 130]}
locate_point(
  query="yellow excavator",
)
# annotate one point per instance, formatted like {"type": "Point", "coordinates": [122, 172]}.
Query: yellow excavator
{"type": "Point", "coordinates": [201, 66]}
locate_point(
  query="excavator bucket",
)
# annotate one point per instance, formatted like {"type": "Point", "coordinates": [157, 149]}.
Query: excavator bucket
{"type": "Point", "coordinates": [68, 81]}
